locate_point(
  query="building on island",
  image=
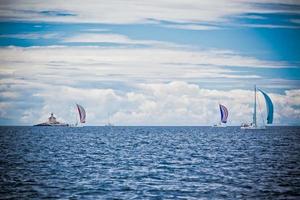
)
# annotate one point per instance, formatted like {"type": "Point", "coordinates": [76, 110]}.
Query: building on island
{"type": "Point", "coordinates": [52, 122]}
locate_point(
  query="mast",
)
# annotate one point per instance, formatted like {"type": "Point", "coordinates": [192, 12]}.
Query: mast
{"type": "Point", "coordinates": [220, 113]}
{"type": "Point", "coordinates": [76, 118]}
{"type": "Point", "coordinates": [254, 113]}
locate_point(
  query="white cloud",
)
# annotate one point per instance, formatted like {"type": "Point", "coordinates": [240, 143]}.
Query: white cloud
{"type": "Point", "coordinates": [174, 103]}
{"type": "Point", "coordinates": [89, 37]}
{"type": "Point", "coordinates": [38, 80]}
{"type": "Point", "coordinates": [97, 30]}
{"type": "Point", "coordinates": [287, 2]}
{"type": "Point", "coordinates": [252, 17]}
{"type": "Point", "coordinates": [117, 11]}
{"type": "Point", "coordinates": [269, 26]}
{"type": "Point", "coordinates": [126, 63]}
{"type": "Point", "coordinates": [136, 11]}
{"type": "Point", "coordinates": [9, 95]}
{"type": "Point", "coordinates": [111, 38]}
{"type": "Point", "coordinates": [296, 21]}
{"type": "Point", "coordinates": [90, 66]}
{"type": "Point", "coordinates": [191, 27]}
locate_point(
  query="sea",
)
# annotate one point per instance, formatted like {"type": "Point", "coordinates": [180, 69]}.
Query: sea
{"type": "Point", "coordinates": [149, 163]}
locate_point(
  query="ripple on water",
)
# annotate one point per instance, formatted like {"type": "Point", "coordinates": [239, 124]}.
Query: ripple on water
{"type": "Point", "coordinates": [149, 163]}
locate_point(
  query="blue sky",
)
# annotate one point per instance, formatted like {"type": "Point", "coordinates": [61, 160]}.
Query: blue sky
{"type": "Point", "coordinates": [148, 63]}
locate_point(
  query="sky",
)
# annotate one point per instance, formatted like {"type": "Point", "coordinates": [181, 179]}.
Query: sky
{"type": "Point", "coordinates": [137, 62]}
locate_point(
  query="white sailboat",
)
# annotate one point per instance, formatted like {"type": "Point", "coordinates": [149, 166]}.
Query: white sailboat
{"type": "Point", "coordinates": [224, 116]}
{"type": "Point", "coordinates": [270, 109]}
{"type": "Point", "coordinates": [82, 116]}
{"type": "Point", "coordinates": [109, 124]}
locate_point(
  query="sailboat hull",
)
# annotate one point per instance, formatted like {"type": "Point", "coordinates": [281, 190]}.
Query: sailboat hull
{"type": "Point", "coordinates": [253, 127]}
{"type": "Point", "coordinates": [219, 126]}
{"type": "Point", "coordinates": [75, 126]}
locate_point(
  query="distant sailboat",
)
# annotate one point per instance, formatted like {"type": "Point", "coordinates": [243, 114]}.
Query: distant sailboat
{"type": "Point", "coordinates": [270, 110]}
{"type": "Point", "coordinates": [109, 124]}
{"type": "Point", "coordinates": [82, 116]}
{"type": "Point", "coordinates": [224, 116]}
{"type": "Point", "coordinates": [81, 112]}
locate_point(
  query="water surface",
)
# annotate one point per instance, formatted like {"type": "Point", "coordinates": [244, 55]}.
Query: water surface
{"type": "Point", "coordinates": [149, 163]}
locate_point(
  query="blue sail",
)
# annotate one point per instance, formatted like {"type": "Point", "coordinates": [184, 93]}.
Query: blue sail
{"type": "Point", "coordinates": [270, 107]}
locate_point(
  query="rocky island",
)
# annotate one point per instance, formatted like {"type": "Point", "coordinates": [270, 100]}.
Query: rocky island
{"type": "Point", "coordinates": [52, 122]}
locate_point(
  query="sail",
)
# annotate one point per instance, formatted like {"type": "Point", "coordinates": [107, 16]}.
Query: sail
{"type": "Point", "coordinates": [81, 112]}
{"type": "Point", "coordinates": [270, 107]}
{"type": "Point", "coordinates": [224, 113]}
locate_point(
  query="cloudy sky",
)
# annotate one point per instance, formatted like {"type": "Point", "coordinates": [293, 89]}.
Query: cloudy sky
{"type": "Point", "coordinates": [136, 62]}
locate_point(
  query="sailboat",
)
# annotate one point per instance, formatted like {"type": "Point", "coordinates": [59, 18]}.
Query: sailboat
{"type": "Point", "coordinates": [224, 116]}
{"type": "Point", "coordinates": [270, 110]}
{"type": "Point", "coordinates": [82, 116]}
{"type": "Point", "coordinates": [109, 124]}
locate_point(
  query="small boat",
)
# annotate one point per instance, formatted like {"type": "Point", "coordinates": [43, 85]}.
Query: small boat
{"type": "Point", "coordinates": [109, 124]}
{"type": "Point", "coordinates": [52, 122]}
{"type": "Point", "coordinates": [224, 116]}
{"type": "Point", "coordinates": [270, 110]}
{"type": "Point", "coordinates": [82, 116]}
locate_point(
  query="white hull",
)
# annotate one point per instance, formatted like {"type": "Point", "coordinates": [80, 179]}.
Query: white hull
{"type": "Point", "coordinates": [75, 126]}
{"type": "Point", "coordinates": [253, 127]}
{"type": "Point", "coordinates": [109, 125]}
{"type": "Point", "coordinates": [219, 126]}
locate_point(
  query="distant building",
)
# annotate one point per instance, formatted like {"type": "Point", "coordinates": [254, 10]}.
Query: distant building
{"type": "Point", "coordinates": [52, 122]}
{"type": "Point", "coordinates": [52, 119]}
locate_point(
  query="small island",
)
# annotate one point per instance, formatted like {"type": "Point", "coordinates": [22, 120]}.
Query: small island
{"type": "Point", "coordinates": [52, 122]}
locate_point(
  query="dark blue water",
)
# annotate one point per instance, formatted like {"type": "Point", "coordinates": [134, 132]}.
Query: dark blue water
{"type": "Point", "coordinates": [149, 163]}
